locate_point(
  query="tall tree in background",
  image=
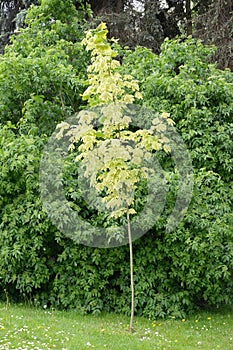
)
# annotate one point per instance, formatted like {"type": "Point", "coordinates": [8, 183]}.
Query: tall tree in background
{"type": "Point", "coordinates": [9, 9]}
{"type": "Point", "coordinates": [188, 13]}
{"type": "Point", "coordinates": [214, 25]}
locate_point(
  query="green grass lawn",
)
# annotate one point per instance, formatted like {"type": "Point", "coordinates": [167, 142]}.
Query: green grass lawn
{"type": "Point", "coordinates": [24, 328]}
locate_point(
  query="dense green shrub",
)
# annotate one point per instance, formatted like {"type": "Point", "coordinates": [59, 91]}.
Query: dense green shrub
{"type": "Point", "coordinates": [199, 97]}
{"type": "Point", "coordinates": [44, 66]}
{"type": "Point", "coordinates": [26, 233]}
{"type": "Point", "coordinates": [174, 272]}
{"type": "Point", "coordinates": [42, 75]}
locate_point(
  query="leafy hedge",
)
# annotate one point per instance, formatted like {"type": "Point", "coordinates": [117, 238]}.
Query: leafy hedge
{"type": "Point", "coordinates": [174, 272]}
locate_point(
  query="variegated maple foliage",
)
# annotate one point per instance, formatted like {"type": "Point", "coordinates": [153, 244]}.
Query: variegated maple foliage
{"type": "Point", "coordinates": [113, 156]}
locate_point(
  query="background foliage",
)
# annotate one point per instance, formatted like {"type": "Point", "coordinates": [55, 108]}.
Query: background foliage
{"type": "Point", "coordinates": [42, 74]}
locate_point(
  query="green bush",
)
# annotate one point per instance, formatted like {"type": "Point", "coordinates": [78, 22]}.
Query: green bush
{"type": "Point", "coordinates": [42, 75]}
{"type": "Point", "coordinates": [24, 227]}
{"type": "Point", "coordinates": [45, 66]}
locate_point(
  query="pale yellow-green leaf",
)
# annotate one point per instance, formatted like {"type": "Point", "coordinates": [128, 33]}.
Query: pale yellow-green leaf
{"type": "Point", "coordinates": [165, 115]}
{"type": "Point", "coordinates": [170, 121]}
{"type": "Point", "coordinates": [161, 127]}
{"type": "Point", "coordinates": [128, 98]}
{"type": "Point", "coordinates": [79, 157]}
{"type": "Point", "coordinates": [167, 148]}
{"type": "Point", "coordinates": [62, 126]}
{"type": "Point", "coordinates": [138, 95]}
{"type": "Point", "coordinates": [106, 97]}
{"type": "Point", "coordinates": [156, 121]}
{"type": "Point", "coordinates": [131, 211]}
{"type": "Point", "coordinates": [114, 64]}
{"type": "Point", "coordinates": [71, 147]}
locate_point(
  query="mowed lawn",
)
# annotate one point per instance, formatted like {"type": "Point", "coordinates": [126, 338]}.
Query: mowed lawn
{"type": "Point", "coordinates": [23, 327]}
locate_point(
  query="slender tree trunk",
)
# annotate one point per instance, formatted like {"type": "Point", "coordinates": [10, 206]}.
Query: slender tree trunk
{"type": "Point", "coordinates": [189, 26]}
{"type": "Point", "coordinates": [131, 272]}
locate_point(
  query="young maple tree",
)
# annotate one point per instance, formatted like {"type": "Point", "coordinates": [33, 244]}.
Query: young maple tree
{"type": "Point", "coordinates": [111, 155]}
